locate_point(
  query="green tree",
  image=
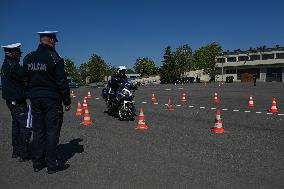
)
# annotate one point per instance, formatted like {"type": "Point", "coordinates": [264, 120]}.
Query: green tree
{"type": "Point", "coordinates": [175, 64]}
{"type": "Point", "coordinates": [130, 71]}
{"type": "Point", "coordinates": [97, 68]}
{"type": "Point", "coordinates": [145, 67]}
{"type": "Point", "coordinates": [166, 71]}
{"type": "Point", "coordinates": [205, 58]}
{"type": "Point", "coordinates": [111, 70]}
{"type": "Point", "coordinates": [84, 72]}
{"type": "Point", "coordinates": [71, 70]}
{"type": "Point", "coordinates": [182, 60]}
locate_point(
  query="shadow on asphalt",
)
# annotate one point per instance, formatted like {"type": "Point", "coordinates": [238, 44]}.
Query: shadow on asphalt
{"type": "Point", "coordinates": [116, 116]}
{"type": "Point", "coordinates": [68, 150]}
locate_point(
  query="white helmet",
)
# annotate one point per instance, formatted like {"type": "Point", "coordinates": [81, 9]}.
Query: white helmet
{"type": "Point", "coordinates": [120, 68]}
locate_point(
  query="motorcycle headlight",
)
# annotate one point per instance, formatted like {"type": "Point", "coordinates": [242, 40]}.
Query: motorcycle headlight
{"type": "Point", "coordinates": [126, 93]}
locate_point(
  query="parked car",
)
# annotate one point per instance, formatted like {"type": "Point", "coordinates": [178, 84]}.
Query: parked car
{"type": "Point", "coordinates": [73, 85]}
{"type": "Point", "coordinates": [188, 79]}
{"type": "Point", "coordinates": [97, 84]}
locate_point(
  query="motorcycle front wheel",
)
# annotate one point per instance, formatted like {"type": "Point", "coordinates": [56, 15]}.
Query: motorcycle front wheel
{"type": "Point", "coordinates": [125, 114]}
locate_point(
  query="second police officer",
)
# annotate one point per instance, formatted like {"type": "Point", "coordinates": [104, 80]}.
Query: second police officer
{"type": "Point", "coordinates": [48, 90]}
{"type": "Point", "coordinates": [14, 91]}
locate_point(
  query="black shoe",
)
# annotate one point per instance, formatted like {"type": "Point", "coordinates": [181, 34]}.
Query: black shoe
{"type": "Point", "coordinates": [58, 168]}
{"type": "Point", "coordinates": [15, 154]}
{"type": "Point", "coordinates": [23, 159]}
{"type": "Point", "coordinates": [39, 168]}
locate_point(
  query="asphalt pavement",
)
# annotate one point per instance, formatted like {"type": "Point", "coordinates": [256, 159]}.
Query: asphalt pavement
{"type": "Point", "coordinates": [177, 151]}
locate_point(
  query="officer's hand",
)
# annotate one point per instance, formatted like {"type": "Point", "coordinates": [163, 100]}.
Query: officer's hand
{"type": "Point", "coordinates": [67, 108]}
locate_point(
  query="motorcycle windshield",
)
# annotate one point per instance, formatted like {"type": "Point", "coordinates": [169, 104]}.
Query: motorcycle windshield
{"type": "Point", "coordinates": [127, 85]}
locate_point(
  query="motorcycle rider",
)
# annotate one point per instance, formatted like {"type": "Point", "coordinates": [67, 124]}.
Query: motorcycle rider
{"type": "Point", "coordinates": [117, 80]}
{"type": "Point", "coordinates": [119, 96]}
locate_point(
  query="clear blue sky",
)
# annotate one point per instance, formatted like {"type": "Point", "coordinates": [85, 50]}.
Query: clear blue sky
{"type": "Point", "coordinates": [120, 31]}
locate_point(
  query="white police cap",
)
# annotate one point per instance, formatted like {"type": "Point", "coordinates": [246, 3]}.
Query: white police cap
{"type": "Point", "coordinates": [121, 68]}
{"type": "Point", "coordinates": [47, 33]}
{"type": "Point", "coordinates": [12, 46]}
{"type": "Point", "coordinates": [50, 34]}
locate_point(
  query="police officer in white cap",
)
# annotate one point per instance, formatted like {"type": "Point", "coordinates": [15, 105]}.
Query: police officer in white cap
{"type": "Point", "coordinates": [14, 91]}
{"type": "Point", "coordinates": [118, 78]}
{"type": "Point", "coordinates": [48, 91]}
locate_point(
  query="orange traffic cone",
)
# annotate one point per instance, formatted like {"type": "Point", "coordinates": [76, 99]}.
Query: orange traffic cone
{"type": "Point", "coordinates": [218, 128]}
{"type": "Point", "coordinates": [183, 97]}
{"type": "Point", "coordinates": [89, 95]}
{"type": "Point", "coordinates": [87, 118]}
{"type": "Point", "coordinates": [250, 102]}
{"type": "Point", "coordinates": [85, 104]}
{"type": "Point", "coordinates": [215, 100]}
{"type": "Point", "coordinates": [141, 121]}
{"type": "Point", "coordinates": [273, 108]}
{"type": "Point", "coordinates": [170, 106]}
{"type": "Point", "coordinates": [79, 109]}
{"type": "Point", "coordinates": [154, 100]}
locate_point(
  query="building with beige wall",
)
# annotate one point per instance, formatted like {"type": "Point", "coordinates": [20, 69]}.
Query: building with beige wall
{"type": "Point", "coordinates": [266, 63]}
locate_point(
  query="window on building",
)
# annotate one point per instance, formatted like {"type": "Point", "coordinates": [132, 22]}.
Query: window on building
{"type": "Point", "coordinates": [243, 58]}
{"type": "Point", "coordinates": [254, 57]}
{"type": "Point", "coordinates": [231, 71]}
{"type": "Point", "coordinates": [267, 56]}
{"type": "Point", "coordinates": [220, 60]}
{"type": "Point", "coordinates": [274, 72]}
{"type": "Point", "coordinates": [279, 55]}
{"type": "Point", "coordinates": [231, 59]}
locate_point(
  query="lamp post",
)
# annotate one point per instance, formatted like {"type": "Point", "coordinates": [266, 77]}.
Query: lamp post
{"type": "Point", "coordinates": [222, 72]}
{"type": "Point", "coordinates": [223, 68]}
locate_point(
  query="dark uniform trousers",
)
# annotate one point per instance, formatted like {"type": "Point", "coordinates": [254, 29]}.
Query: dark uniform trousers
{"type": "Point", "coordinates": [20, 134]}
{"type": "Point", "coordinates": [47, 122]}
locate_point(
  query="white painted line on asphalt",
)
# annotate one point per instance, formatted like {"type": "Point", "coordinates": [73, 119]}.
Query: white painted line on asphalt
{"type": "Point", "coordinates": [280, 114]}
{"type": "Point", "coordinates": [202, 107]}
{"type": "Point", "coordinates": [97, 98]}
{"type": "Point", "coordinates": [168, 89]}
{"type": "Point", "coordinates": [247, 111]}
{"type": "Point", "coordinates": [180, 88]}
{"type": "Point", "coordinates": [236, 110]}
{"type": "Point", "coordinates": [225, 109]}
{"type": "Point", "coordinates": [191, 106]}
{"type": "Point", "coordinates": [178, 105]}
{"type": "Point", "coordinates": [269, 113]}
{"type": "Point", "coordinates": [156, 103]}
{"type": "Point", "coordinates": [258, 112]}
{"type": "Point", "coordinates": [144, 102]}
{"type": "Point", "coordinates": [213, 108]}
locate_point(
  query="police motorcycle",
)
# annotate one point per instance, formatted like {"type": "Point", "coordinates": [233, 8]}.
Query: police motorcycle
{"type": "Point", "coordinates": [120, 103]}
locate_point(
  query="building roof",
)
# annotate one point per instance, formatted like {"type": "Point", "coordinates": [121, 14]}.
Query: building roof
{"type": "Point", "coordinates": [253, 50]}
